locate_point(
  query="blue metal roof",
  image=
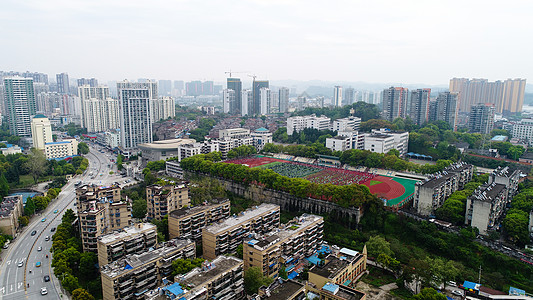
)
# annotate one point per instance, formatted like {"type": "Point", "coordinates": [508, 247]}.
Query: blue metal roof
{"type": "Point", "coordinates": [175, 289]}
{"type": "Point", "coordinates": [292, 275]}
{"type": "Point", "coordinates": [330, 287]}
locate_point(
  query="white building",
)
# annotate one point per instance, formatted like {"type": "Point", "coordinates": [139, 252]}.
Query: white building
{"type": "Point", "coordinates": [100, 115]}
{"type": "Point", "coordinates": [486, 206]}
{"type": "Point", "coordinates": [265, 96]}
{"type": "Point", "coordinates": [232, 138]}
{"type": "Point", "coordinates": [67, 147]}
{"type": "Point", "coordinates": [283, 100]}
{"type": "Point", "coordinates": [383, 140]}
{"type": "Point", "coordinates": [109, 138]}
{"type": "Point", "coordinates": [346, 140]}
{"type": "Point", "coordinates": [523, 130]}
{"type": "Point", "coordinates": [346, 124]}
{"type": "Point", "coordinates": [41, 131]}
{"type": "Point", "coordinates": [297, 124]}
{"type": "Point", "coordinates": [135, 112]}
{"type": "Point", "coordinates": [228, 97]}
{"type": "Point", "coordinates": [261, 137]}
{"type": "Point", "coordinates": [163, 108]}
{"type": "Point", "coordinates": [246, 99]}
{"type": "Point", "coordinates": [175, 148]}
{"type": "Point", "coordinates": [337, 96]}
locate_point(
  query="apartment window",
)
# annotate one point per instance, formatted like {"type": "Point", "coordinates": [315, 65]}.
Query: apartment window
{"type": "Point", "coordinates": [251, 259]}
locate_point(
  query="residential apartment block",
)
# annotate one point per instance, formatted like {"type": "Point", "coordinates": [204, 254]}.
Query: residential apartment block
{"type": "Point", "coordinates": [41, 131]}
{"type": "Point", "coordinates": [431, 193]}
{"type": "Point", "coordinates": [506, 177]}
{"type": "Point", "coordinates": [11, 209]}
{"type": "Point", "coordinates": [481, 119]}
{"type": "Point", "coordinates": [131, 240]}
{"type": "Point", "coordinates": [523, 130]}
{"type": "Point", "coordinates": [299, 123]}
{"type": "Point", "coordinates": [384, 140]}
{"type": "Point", "coordinates": [298, 239]}
{"type": "Point", "coordinates": [136, 274]}
{"type": "Point", "coordinates": [61, 149]}
{"type": "Point", "coordinates": [486, 206]}
{"type": "Point", "coordinates": [189, 222]}
{"type": "Point", "coordinates": [100, 211]}
{"type": "Point", "coordinates": [394, 103]}
{"type": "Point", "coordinates": [344, 268]}
{"type": "Point", "coordinates": [163, 199]}
{"type": "Point", "coordinates": [232, 138]}
{"type": "Point", "coordinates": [346, 124]}
{"type": "Point", "coordinates": [224, 237]}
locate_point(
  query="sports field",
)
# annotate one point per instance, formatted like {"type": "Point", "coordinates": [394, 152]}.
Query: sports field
{"type": "Point", "coordinates": [395, 191]}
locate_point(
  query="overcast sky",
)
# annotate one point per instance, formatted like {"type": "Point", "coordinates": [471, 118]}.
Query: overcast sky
{"type": "Point", "coordinates": [371, 41]}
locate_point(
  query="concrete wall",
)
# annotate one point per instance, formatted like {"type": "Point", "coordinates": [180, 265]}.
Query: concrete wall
{"type": "Point", "coordinates": [290, 202]}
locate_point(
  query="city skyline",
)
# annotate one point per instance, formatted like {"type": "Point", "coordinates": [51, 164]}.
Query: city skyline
{"type": "Point", "coordinates": [335, 41]}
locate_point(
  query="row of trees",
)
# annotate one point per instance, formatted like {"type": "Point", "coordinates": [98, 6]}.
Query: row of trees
{"type": "Point", "coordinates": [346, 196]}
{"type": "Point", "coordinates": [242, 151]}
{"type": "Point", "coordinates": [76, 269]}
{"type": "Point", "coordinates": [310, 151]}
{"type": "Point", "coordinates": [39, 203]}
{"type": "Point", "coordinates": [516, 221]}
{"type": "Point", "coordinates": [363, 110]}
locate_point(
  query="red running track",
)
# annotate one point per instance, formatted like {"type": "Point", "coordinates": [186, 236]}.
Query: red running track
{"type": "Point", "coordinates": [388, 188]}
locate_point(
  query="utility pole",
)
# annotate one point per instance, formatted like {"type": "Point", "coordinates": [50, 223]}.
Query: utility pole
{"type": "Point", "coordinates": [479, 277]}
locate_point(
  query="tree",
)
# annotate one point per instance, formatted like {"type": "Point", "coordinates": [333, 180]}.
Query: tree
{"type": "Point", "coordinates": [139, 208]}
{"type": "Point", "coordinates": [81, 294]}
{"type": "Point", "coordinates": [29, 207]}
{"type": "Point", "coordinates": [70, 283]}
{"type": "Point", "coordinates": [515, 224]}
{"type": "Point", "coordinates": [36, 163]}
{"type": "Point", "coordinates": [83, 148]}
{"type": "Point", "coordinates": [87, 268]}
{"type": "Point", "coordinates": [24, 221]}
{"type": "Point", "coordinates": [254, 279]}
{"type": "Point", "coordinates": [4, 186]}
{"type": "Point", "coordinates": [429, 294]}
{"type": "Point", "coordinates": [239, 251]}
{"type": "Point", "coordinates": [377, 245]}
{"type": "Point", "coordinates": [182, 266]}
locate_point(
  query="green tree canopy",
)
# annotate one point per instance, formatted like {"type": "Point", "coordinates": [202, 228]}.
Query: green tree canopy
{"type": "Point", "coordinates": [254, 279]}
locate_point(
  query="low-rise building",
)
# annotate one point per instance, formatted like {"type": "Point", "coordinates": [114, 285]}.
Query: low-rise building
{"type": "Point", "coordinates": [346, 140]}
{"type": "Point", "coordinates": [100, 211]}
{"type": "Point", "coordinates": [131, 240]}
{"type": "Point", "coordinates": [224, 237]}
{"type": "Point", "coordinates": [222, 278]}
{"type": "Point", "coordinates": [110, 138]}
{"type": "Point", "coordinates": [331, 291]}
{"type": "Point", "coordinates": [11, 209]}
{"type": "Point", "coordinates": [261, 137]}
{"type": "Point", "coordinates": [486, 206]}
{"type": "Point", "coordinates": [347, 124]}
{"type": "Point", "coordinates": [231, 138]}
{"type": "Point", "coordinates": [343, 269]}
{"type": "Point", "coordinates": [11, 149]}
{"type": "Point", "coordinates": [299, 123]}
{"type": "Point", "coordinates": [189, 222]}
{"type": "Point", "coordinates": [384, 140]}
{"type": "Point", "coordinates": [163, 199]}
{"type": "Point", "coordinates": [431, 193]}
{"type": "Point", "coordinates": [282, 289]}
{"type": "Point", "coordinates": [299, 239]}
{"type": "Point", "coordinates": [64, 148]}
{"type": "Point", "coordinates": [162, 150]}
{"type": "Point", "coordinates": [173, 169]}
{"type": "Point", "coordinates": [136, 274]}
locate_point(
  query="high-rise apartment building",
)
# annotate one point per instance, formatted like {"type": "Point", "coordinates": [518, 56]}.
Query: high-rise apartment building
{"type": "Point", "coordinates": [163, 199]}
{"type": "Point", "coordinates": [337, 96]}
{"type": "Point", "coordinates": [63, 85]}
{"type": "Point", "coordinates": [257, 85]}
{"type": "Point", "coordinates": [444, 109]}
{"type": "Point", "coordinates": [163, 108]}
{"type": "Point", "coordinates": [283, 100]}
{"type": "Point", "coordinates": [507, 96]}
{"type": "Point", "coordinates": [41, 131]}
{"type": "Point", "coordinates": [187, 223]}
{"type": "Point", "coordinates": [100, 211]}
{"type": "Point", "coordinates": [481, 118]}
{"type": "Point", "coordinates": [134, 239]}
{"type": "Point", "coordinates": [300, 238]}
{"type": "Point", "coordinates": [265, 97]}
{"type": "Point", "coordinates": [135, 100]}
{"type": "Point", "coordinates": [418, 109]}
{"type": "Point", "coordinates": [349, 96]}
{"type": "Point", "coordinates": [394, 103]}
{"type": "Point", "coordinates": [20, 104]}
{"type": "Point", "coordinates": [135, 275]}
{"type": "Point", "coordinates": [92, 82]}
{"type": "Point", "coordinates": [224, 237]}
{"type": "Point", "coordinates": [165, 88]}
{"type": "Point", "coordinates": [99, 111]}
{"type": "Point", "coordinates": [246, 102]}
{"type": "Point", "coordinates": [228, 101]}
{"type": "Point", "coordinates": [235, 84]}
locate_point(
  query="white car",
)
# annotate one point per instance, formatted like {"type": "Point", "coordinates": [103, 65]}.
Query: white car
{"type": "Point", "coordinates": [44, 291]}
{"type": "Point", "coordinates": [20, 264]}
{"type": "Point", "coordinates": [457, 292]}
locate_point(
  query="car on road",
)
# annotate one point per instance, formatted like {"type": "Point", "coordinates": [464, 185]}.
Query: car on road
{"type": "Point", "coordinates": [38, 264]}
{"type": "Point", "coordinates": [20, 264]}
{"type": "Point", "coordinates": [451, 283]}
{"type": "Point", "coordinates": [457, 292]}
{"type": "Point", "coordinates": [47, 238]}
{"type": "Point", "coordinates": [53, 229]}
{"type": "Point", "coordinates": [44, 291]}
{"type": "Point", "coordinates": [40, 249]}
{"type": "Point", "coordinates": [43, 220]}
{"type": "Point", "coordinates": [34, 232]}
{"type": "Point", "coordinates": [46, 278]}
{"type": "Point", "coordinates": [55, 211]}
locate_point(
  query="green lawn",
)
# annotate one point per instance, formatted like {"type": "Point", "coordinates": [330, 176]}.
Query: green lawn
{"type": "Point", "coordinates": [374, 182]}
{"type": "Point", "coordinates": [378, 277]}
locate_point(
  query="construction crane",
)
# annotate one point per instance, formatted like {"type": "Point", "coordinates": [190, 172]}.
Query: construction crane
{"type": "Point", "coordinates": [253, 76]}
{"type": "Point", "coordinates": [229, 72]}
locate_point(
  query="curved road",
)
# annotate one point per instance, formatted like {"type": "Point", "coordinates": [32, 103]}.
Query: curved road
{"type": "Point", "coordinates": [17, 282]}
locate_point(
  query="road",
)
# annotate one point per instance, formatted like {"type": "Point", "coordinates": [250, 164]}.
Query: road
{"type": "Point", "coordinates": [17, 282]}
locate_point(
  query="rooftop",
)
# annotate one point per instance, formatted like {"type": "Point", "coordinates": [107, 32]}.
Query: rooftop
{"type": "Point", "coordinates": [133, 261]}
{"type": "Point", "coordinates": [178, 213]}
{"type": "Point", "coordinates": [245, 216]}
{"type": "Point", "coordinates": [208, 272]}
{"type": "Point", "coordinates": [499, 138]}
{"type": "Point", "coordinates": [282, 290]}
{"type": "Point", "coordinates": [458, 167]}
{"type": "Point", "coordinates": [344, 292]}
{"type": "Point", "coordinates": [282, 234]}
{"type": "Point", "coordinates": [171, 144]}
{"type": "Point", "coordinates": [127, 232]}
{"type": "Point", "coordinates": [437, 179]}
{"type": "Point", "coordinates": [488, 191]}
{"type": "Point", "coordinates": [334, 265]}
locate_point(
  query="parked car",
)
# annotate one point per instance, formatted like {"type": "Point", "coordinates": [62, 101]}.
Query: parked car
{"type": "Point", "coordinates": [457, 292]}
